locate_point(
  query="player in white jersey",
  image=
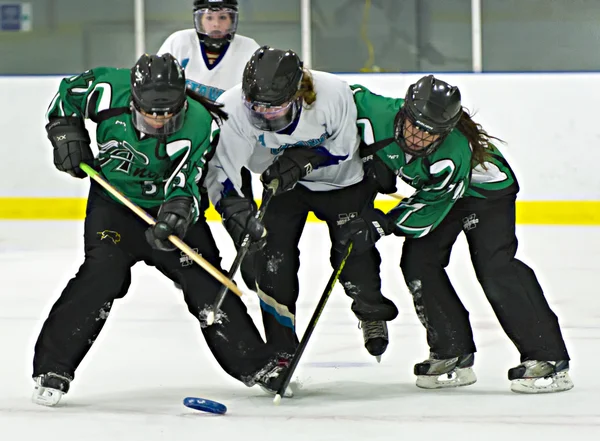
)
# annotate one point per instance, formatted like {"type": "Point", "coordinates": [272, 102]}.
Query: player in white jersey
{"type": "Point", "coordinates": [213, 57]}
{"type": "Point", "coordinates": [297, 126]}
{"type": "Point", "coordinates": [212, 54]}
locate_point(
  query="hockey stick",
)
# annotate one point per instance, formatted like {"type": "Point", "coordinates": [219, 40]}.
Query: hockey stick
{"type": "Point", "coordinates": [312, 324]}
{"type": "Point", "coordinates": [396, 196]}
{"type": "Point", "coordinates": [173, 239]}
{"type": "Point", "coordinates": [271, 189]}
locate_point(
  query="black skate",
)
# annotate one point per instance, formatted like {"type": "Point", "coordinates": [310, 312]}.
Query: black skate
{"type": "Point", "coordinates": [271, 376]}
{"type": "Point", "coordinates": [375, 335]}
{"type": "Point", "coordinates": [534, 377]}
{"type": "Point", "coordinates": [49, 388]}
{"type": "Point", "coordinates": [436, 373]}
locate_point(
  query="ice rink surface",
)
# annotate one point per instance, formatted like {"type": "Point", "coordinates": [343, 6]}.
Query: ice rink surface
{"type": "Point", "coordinates": [151, 354]}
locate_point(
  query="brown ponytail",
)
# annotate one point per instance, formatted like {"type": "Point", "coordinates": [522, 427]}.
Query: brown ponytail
{"type": "Point", "coordinates": [307, 89]}
{"type": "Point", "coordinates": [478, 138]}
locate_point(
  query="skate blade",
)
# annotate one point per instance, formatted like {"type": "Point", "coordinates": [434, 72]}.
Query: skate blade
{"type": "Point", "coordinates": [378, 358]}
{"type": "Point", "coordinates": [45, 396]}
{"type": "Point", "coordinates": [559, 382]}
{"type": "Point", "coordinates": [454, 378]}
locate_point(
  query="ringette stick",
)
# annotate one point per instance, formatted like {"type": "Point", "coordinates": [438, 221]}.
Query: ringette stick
{"type": "Point", "coordinates": [312, 324]}
{"type": "Point", "coordinates": [239, 258]}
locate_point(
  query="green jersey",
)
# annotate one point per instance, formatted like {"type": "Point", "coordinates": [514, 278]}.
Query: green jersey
{"type": "Point", "coordinates": [439, 179]}
{"type": "Point", "coordinates": [148, 170]}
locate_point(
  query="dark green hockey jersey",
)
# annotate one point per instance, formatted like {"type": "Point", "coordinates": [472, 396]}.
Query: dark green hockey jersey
{"type": "Point", "coordinates": [440, 179]}
{"type": "Point", "coordinates": [148, 170]}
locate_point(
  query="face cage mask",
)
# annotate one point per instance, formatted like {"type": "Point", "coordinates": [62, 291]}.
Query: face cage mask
{"type": "Point", "coordinates": [414, 148]}
{"type": "Point", "coordinates": [212, 23]}
{"type": "Point", "coordinates": [170, 126]}
{"type": "Point", "coordinates": [273, 120]}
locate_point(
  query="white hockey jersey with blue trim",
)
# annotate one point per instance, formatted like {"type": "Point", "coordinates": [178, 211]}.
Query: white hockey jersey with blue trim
{"type": "Point", "coordinates": [328, 124]}
{"type": "Point", "coordinates": [209, 80]}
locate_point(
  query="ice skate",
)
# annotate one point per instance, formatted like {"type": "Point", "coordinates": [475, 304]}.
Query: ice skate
{"type": "Point", "coordinates": [375, 335]}
{"type": "Point", "coordinates": [270, 377]}
{"type": "Point", "coordinates": [535, 377]}
{"type": "Point", "coordinates": [451, 372]}
{"type": "Point", "coordinates": [49, 389]}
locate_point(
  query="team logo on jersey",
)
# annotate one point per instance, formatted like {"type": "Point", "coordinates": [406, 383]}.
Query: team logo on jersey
{"type": "Point", "coordinates": [110, 235]}
{"type": "Point", "coordinates": [123, 152]}
{"type": "Point", "coordinates": [122, 123]}
{"type": "Point", "coordinates": [308, 143]}
{"type": "Point", "coordinates": [212, 93]}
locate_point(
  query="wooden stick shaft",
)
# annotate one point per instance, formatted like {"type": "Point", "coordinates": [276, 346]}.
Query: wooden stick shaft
{"type": "Point", "coordinates": [173, 239]}
{"type": "Point", "coordinates": [396, 196]}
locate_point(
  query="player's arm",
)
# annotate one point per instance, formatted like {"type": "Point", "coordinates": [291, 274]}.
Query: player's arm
{"type": "Point", "coordinates": [414, 217]}
{"type": "Point", "coordinates": [190, 159]}
{"type": "Point", "coordinates": [426, 208]}
{"type": "Point", "coordinates": [181, 207]}
{"type": "Point", "coordinates": [224, 182]}
{"type": "Point", "coordinates": [65, 127]}
{"type": "Point", "coordinates": [233, 149]}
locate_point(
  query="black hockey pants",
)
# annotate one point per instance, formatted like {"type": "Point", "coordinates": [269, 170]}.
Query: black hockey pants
{"type": "Point", "coordinates": [278, 263]}
{"type": "Point", "coordinates": [510, 286]}
{"type": "Point", "coordinates": [114, 242]}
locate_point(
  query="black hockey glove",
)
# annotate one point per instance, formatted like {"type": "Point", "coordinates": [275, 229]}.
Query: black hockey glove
{"type": "Point", "coordinates": [379, 175]}
{"type": "Point", "coordinates": [291, 166]}
{"type": "Point", "coordinates": [364, 231]}
{"type": "Point", "coordinates": [71, 142]}
{"type": "Point", "coordinates": [174, 218]}
{"type": "Point", "coordinates": [239, 219]}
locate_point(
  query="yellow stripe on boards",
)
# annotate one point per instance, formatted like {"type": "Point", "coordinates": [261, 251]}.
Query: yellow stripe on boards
{"type": "Point", "coordinates": [528, 212]}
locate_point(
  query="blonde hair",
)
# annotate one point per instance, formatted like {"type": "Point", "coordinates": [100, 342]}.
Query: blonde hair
{"type": "Point", "coordinates": [307, 89]}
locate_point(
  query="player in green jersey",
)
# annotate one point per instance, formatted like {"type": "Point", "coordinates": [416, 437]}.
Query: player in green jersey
{"type": "Point", "coordinates": [154, 143]}
{"type": "Point", "coordinates": [463, 183]}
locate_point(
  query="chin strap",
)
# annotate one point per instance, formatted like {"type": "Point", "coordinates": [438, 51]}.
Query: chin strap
{"type": "Point", "coordinates": [214, 44]}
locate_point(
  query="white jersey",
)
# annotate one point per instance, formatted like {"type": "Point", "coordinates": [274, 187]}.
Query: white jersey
{"type": "Point", "coordinates": [206, 79]}
{"type": "Point", "coordinates": [329, 124]}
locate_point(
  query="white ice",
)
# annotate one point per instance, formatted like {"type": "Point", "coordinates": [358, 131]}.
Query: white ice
{"type": "Point", "coordinates": [151, 355]}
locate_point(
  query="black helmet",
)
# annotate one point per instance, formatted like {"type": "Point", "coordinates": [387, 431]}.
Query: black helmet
{"type": "Point", "coordinates": [270, 85]}
{"type": "Point", "coordinates": [432, 106]}
{"type": "Point", "coordinates": [206, 12]}
{"type": "Point", "coordinates": [158, 89]}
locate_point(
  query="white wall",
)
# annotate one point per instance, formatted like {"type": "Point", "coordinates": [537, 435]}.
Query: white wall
{"type": "Point", "coordinates": [549, 121]}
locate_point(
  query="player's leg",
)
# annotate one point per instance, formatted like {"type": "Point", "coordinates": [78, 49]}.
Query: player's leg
{"type": "Point", "coordinates": [82, 309]}
{"type": "Point", "coordinates": [233, 339]}
{"type": "Point", "coordinates": [516, 297]}
{"type": "Point", "coordinates": [277, 266]}
{"type": "Point", "coordinates": [360, 276]}
{"type": "Point", "coordinates": [438, 307]}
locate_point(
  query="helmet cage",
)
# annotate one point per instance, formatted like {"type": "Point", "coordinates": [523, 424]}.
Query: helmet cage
{"type": "Point", "coordinates": [417, 145]}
